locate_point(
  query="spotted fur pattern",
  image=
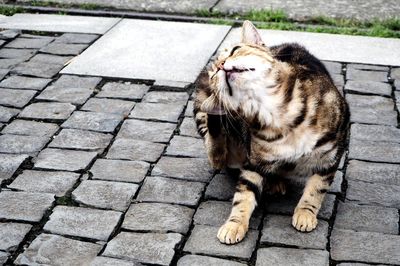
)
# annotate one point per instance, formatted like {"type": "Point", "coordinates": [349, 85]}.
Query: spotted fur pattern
{"type": "Point", "coordinates": [271, 112]}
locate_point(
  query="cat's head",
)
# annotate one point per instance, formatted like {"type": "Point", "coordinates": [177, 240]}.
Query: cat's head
{"type": "Point", "coordinates": [242, 75]}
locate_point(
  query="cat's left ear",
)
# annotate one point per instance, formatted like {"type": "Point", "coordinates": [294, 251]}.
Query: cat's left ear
{"type": "Point", "coordinates": [250, 34]}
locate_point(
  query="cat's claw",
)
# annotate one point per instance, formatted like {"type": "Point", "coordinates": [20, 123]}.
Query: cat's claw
{"type": "Point", "coordinates": [231, 232]}
{"type": "Point", "coordinates": [304, 221]}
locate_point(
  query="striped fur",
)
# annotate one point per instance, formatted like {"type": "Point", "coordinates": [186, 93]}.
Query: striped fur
{"type": "Point", "coordinates": [271, 112]}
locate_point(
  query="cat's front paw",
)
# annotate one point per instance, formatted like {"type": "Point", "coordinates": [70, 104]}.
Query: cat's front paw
{"type": "Point", "coordinates": [303, 220]}
{"type": "Point", "coordinates": [232, 232]}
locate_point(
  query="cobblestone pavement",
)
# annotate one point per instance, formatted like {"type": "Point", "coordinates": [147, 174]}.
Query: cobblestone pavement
{"type": "Point", "coordinates": [98, 171]}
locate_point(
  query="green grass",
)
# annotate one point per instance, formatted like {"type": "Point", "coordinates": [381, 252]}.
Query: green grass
{"type": "Point", "coordinates": [9, 11]}
{"type": "Point", "coordinates": [86, 6]}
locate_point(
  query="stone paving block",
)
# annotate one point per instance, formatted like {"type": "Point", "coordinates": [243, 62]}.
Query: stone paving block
{"type": "Point", "coordinates": [9, 34]}
{"type": "Point", "coordinates": [59, 23]}
{"type": "Point", "coordinates": [375, 194]}
{"type": "Point", "coordinates": [63, 48]}
{"type": "Point", "coordinates": [395, 73]}
{"type": "Point", "coordinates": [48, 111]}
{"type": "Point", "coordinates": [356, 101]}
{"type": "Point", "coordinates": [287, 256]}
{"type": "Point", "coordinates": [114, 106]}
{"type": "Point", "coordinates": [188, 128]}
{"type": "Point", "coordinates": [136, 39]}
{"type": "Point", "coordinates": [12, 234]}
{"type": "Point", "coordinates": [333, 67]}
{"type": "Point", "coordinates": [221, 187]}
{"type": "Point", "coordinates": [374, 151]}
{"type": "Point", "coordinates": [3, 73]}
{"type": "Point", "coordinates": [215, 213]}
{"type": "Point", "coordinates": [7, 113]}
{"type": "Point", "coordinates": [279, 230]}
{"type": "Point", "coordinates": [166, 97]}
{"type": "Point", "coordinates": [30, 128]}
{"type": "Point", "coordinates": [371, 116]}
{"type": "Point", "coordinates": [166, 84]}
{"type": "Point", "coordinates": [338, 80]}
{"type": "Point", "coordinates": [367, 218]}
{"type": "Point", "coordinates": [202, 234]}
{"type": "Point", "coordinates": [124, 90]}
{"type": "Point", "coordinates": [58, 250]}
{"type": "Point", "coordinates": [347, 245]}
{"type": "Point", "coordinates": [186, 146]}
{"type": "Point", "coordinates": [16, 98]}
{"type": "Point", "coordinates": [375, 133]}
{"type": "Point", "coordinates": [195, 169]}
{"type": "Point", "coordinates": [367, 67]}
{"type": "Point", "coordinates": [24, 206]}
{"type": "Point", "coordinates": [76, 38]}
{"type": "Point", "coordinates": [146, 130]}
{"type": "Point", "coordinates": [161, 189]}
{"type": "Point", "coordinates": [102, 122]}
{"type": "Point", "coordinates": [356, 74]}
{"type": "Point", "coordinates": [371, 87]}
{"type": "Point", "coordinates": [24, 54]}
{"type": "Point", "coordinates": [196, 260]}
{"type": "Point", "coordinates": [37, 69]}
{"type": "Point", "coordinates": [135, 150]}
{"type": "Point", "coordinates": [51, 59]}
{"type": "Point", "coordinates": [9, 163]}
{"type": "Point", "coordinates": [83, 222]}
{"type": "Point", "coordinates": [123, 171]}
{"type": "Point", "coordinates": [106, 261]}
{"type": "Point", "coordinates": [10, 63]}
{"type": "Point", "coordinates": [153, 248]}
{"type": "Point", "coordinates": [58, 183]}
{"type": "Point", "coordinates": [22, 144]}
{"type": "Point", "coordinates": [336, 186]}
{"type": "Point", "coordinates": [373, 172]}
{"type": "Point", "coordinates": [158, 217]}
{"type": "Point", "coordinates": [189, 109]}
{"type": "Point", "coordinates": [69, 81]}
{"type": "Point", "coordinates": [67, 95]}
{"type": "Point", "coordinates": [157, 111]}
{"type": "Point", "coordinates": [104, 194]}
{"type": "Point", "coordinates": [29, 43]}
{"type": "Point", "coordinates": [3, 257]}
{"type": "Point", "coordinates": [21, 82]}
{"type": "Point", "coordinates": [81, 140]}
{"type": "Point", "coordinates": [68, 160]}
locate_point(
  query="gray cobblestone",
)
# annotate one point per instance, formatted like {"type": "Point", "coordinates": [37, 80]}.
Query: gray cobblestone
{"type": "Point", "coordinates": [157, 111]}
{"type": "Point", "coordinates": [69, 81]}
{"type": "Point", "coordinates": [114, 106]}
{"type": "Point", "coordinates": [9, 34]}
{"type": "Point", "coordinates": [123, 90]}
{"type": "Point", "coordinates": [68, 160]}
{"type": "Point", "coordinates": [48, 111]}
{"type": "Point", "coordinates": [30, 128]}
{"type": "Point", "coordinates": [333, 67]}
{"type": "Point", "coordinates": [24, 206]}
{"type": "Point", "coordinates": [50, 59]}
{"type": "Point", "coordinates": [221, 187]}
{"type": "Point", "coordinates": [347, 245]}
{"type": "Point", "coordinates": [115, 170]}
{"type": "Point", "coordinates": [375, 194]}
{"type": "Point", "coordinates": [188, 128]}
{"type": "Point", "coordinates": [186, 146]}
{"type": "Point", "coordinates": [196, 260]}
{"type": "Point", "coordinates": [374, 151]}
{"type": "Point", "coordinates": [166, 84]}
{"type": "Point", "coordinates": [3, 73]}
{"type": "Point", "coordinates": [375, 102]}
{"type": "Point", "coordinates": [202, 234]}
{"type": "Point", "coordinates": [24, 54]}
{"type": "Point", "coordinates": [106, 261]}
{"type": "Point", "coordinates": [338, 80]}
{"type": "Point", "coordinates": [3, 257]}
{"type": "Point", "coordinates": [371, 116]}
{"type": "Point", "coordinates": [12, 234]}
{"type": "Point", "coordinates": [367, 67]}
{"type": "Point", "coordinates": [161, 189]}
{"type": "Point", "coordinates": [373, 172]}
{"type": "Point", "coordinates": [7, 113]}
{"type": "Point", "coordinates": [135, 150]}
{"type": "Point", "coordinates": [82, 140]}
{"type": "Point", "coordinates": [16, 98]}
{"type": "Point", "coordinates": [82, 222]}
{"type": "Point", "coordinates": [279, 230]}
{"type": "Point", "coordinates": [101, 122]}
{"type": "Point", "coordinates": [9, 163]}
{"type": "Point", "coordinates": [32, 43]}
{"type": "Point", "coordinates": [375, 133]}
{"type": "Point", "coordinates": [76, 38]}
{"type": "Point", "coordinates": [104, 194]}
{"type": "Point", "coordinates": [67, 95]}
{"type": "Point", "coordinates": [58, 250]}
{"type": "Point", "coordinates": [21, 82]}
{"type": "Point", "coordinates": [37, 69]}
{"type": "Point", "coordinates": [166, 97]}
{"type": "Point", "coordinates": [22, 144]}
{"type": "Point", "coordinates": [57, 183]}
{"type": "Point", "coordinates": [336, 186]}
{"type": "Point", "coordinates": [356, 74]}
{"type": "Point", "coordinates": [371, 87]}
{"type": "Point", "coordinates": [146, 130]}
{"type": "Point", "coordinates": [288, 256]}
{"type": "Point", "coordinates": [189, 109]}
{"type": "Point", "coordinates": [63, 48]}
{"type": "Point", "coordinates": [367, 218]}
{"type": "Point", "coordinates": [195, 169]}
{"type": "Point", "coordinates": [158, 217]}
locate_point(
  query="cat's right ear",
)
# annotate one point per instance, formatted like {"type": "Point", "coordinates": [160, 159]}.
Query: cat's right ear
{"type": "Point", "coordinates": [250, 34]}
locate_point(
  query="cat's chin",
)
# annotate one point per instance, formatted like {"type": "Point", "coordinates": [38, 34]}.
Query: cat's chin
{"type": "Point", "coordinates": [210, 106]}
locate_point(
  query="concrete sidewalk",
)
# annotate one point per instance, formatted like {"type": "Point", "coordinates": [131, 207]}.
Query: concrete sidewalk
{"type": "Point", "coordinates": [101, 164]}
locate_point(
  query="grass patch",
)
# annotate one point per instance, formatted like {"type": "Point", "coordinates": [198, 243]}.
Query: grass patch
{"type": "Point", "coordinates": [10, 10]}
{"type": "Point", "coordinates": [86, 6]}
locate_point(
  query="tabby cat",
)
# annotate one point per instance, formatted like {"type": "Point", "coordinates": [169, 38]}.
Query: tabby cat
{"type": "Point", "coordinates": [271, 112]}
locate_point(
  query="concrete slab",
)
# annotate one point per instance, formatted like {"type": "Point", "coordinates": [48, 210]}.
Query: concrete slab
{"type": "Point", "coordinates": [59, 23]}
{"type": "Point", "coordinates": [333, 47]}
{"type": "Point", "coordinates": [150, 50]}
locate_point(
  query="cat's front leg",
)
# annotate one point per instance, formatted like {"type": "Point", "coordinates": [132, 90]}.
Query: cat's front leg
{"type": "Point", "coordinates": [305, 214]}
{"type": "Point", "coordinates": [248, 191]}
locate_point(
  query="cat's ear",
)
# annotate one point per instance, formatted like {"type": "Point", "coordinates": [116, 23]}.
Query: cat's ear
{"type": "Point", "coordinates": [250, 34]}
